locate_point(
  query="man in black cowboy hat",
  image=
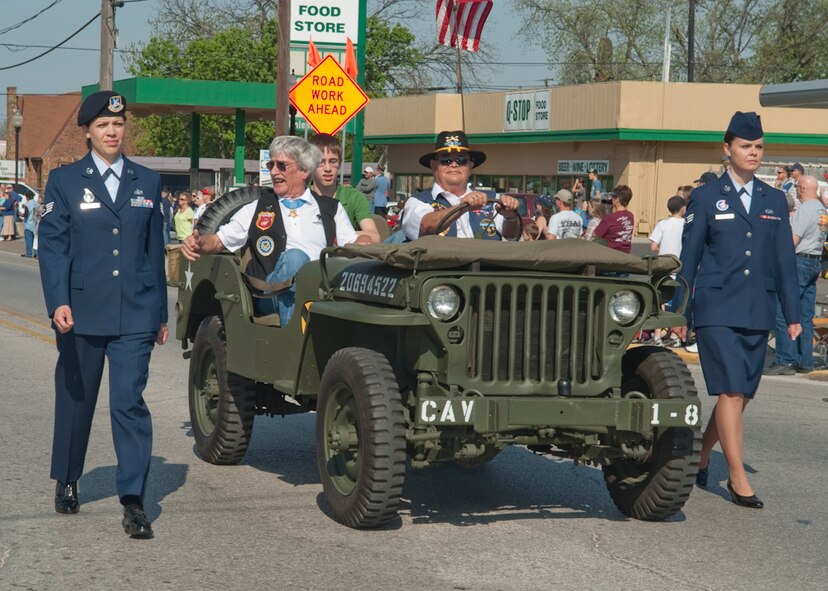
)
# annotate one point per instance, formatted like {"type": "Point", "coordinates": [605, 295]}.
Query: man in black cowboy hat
{"type": "Point", "coordinates": [452, 162]}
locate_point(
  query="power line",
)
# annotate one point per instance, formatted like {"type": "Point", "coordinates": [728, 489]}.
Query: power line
{"type": "Point", "coordinates": [20, 47]}
{"type": "Point", "coordinates": [28, 61]}
{"type": "Point", "coordinates": [31, 18]}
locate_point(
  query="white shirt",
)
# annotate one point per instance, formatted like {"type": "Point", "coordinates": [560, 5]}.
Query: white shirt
{"type": "Point", "coordinates": [305, 231]}
{"type": "Point", "coordinates": [566, 224]}
{"type": "Point", "coordinates": [198, 213]}
{"type": "Point", "coordinates": [667, 234]}
{"type": "Point", "coordinates": [114, 180]}
{"type": "Point", "coordinates": [415, 210]}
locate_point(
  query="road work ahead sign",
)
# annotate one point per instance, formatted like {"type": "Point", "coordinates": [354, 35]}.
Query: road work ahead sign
{"type": "Point", "coordinates": [327, 97]}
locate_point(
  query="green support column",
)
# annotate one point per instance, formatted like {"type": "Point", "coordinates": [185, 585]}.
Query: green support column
{"type": "Point", "coordinates": [239, 166]}
{"type": "Point", "coordinates": [195, 148]}
{"type": "Point", "coordinates": [359, 120]}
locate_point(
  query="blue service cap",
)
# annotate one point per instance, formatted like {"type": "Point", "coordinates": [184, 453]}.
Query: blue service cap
{"type": "Point", "coordinates": [747, 126]}
{"type": "Point", "coordinates": [104, 103]}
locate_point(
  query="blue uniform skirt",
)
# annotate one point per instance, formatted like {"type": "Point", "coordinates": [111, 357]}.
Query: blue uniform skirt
{"type": "Point", "coordinates": [732, 359]}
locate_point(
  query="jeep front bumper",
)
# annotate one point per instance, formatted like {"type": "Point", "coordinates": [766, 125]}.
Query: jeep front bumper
{"type": "Point", "coordinates": [494, 415]}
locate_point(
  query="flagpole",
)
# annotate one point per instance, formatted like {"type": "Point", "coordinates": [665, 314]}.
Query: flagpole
{"type": "Point", "coordinates": [342, 162]}
{"type": "Point", "coordinates": [459, 73]}
{"type": "Point", "coordinates": [460, 90]}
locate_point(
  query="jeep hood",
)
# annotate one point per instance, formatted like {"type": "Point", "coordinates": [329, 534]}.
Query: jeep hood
{"type": "Point", "coordinates": [560, 256]}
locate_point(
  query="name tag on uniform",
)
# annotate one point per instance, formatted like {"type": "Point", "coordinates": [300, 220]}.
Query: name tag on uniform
{"type": "Point", "coordinates": [725, 216]}
{"type": "Point", "coordinates": [93, 205]}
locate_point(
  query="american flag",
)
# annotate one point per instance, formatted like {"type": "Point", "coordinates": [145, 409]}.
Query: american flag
{"type": "Point", "coordinates": [461, 22]}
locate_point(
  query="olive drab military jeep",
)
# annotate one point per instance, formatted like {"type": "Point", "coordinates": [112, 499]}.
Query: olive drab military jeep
{"type": "Point", "coordinates": [447, 350]}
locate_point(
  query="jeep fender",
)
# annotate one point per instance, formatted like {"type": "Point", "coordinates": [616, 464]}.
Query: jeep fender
{"type": "Point", "coordinates": [331, 326]}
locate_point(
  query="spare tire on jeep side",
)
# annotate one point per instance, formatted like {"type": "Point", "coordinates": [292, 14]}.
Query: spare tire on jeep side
{"type": "Point", "coordinates": [223, 208]}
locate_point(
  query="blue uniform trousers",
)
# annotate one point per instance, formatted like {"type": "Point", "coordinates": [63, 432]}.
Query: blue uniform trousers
{"type": "Point", "coordinates": [77, 379]}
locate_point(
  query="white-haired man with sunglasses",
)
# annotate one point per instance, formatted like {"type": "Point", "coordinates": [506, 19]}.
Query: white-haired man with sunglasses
{"type": "Point", "coordinates": [452, 162]}
{"type": "Point", "coordinates": [285, 228]}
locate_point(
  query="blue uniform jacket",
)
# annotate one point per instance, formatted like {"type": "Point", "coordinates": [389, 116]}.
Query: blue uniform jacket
{"type": "Point", "coordinates": [103, 259]}
{"type": "Point", "coordinates": [738, 262]}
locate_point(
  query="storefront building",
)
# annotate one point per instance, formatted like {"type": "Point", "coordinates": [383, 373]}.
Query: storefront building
{"type": "Point", "coordinates": [651, 136]}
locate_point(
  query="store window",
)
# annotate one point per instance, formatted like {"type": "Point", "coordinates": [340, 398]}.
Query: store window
{"type": "Point", "coordinates": [410, 184]}
{"type": "Point", "coordinates": [534, 184]}
{"type": "Point", "coordinates": [482, 182]}
{"type": "Point", "coordinates": [508, 184]}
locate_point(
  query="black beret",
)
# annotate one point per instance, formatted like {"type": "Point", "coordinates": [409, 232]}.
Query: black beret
{"type": "Point", "coordinates": [747, 126]}
{"type": "Point", "coordinates": [104, 103]}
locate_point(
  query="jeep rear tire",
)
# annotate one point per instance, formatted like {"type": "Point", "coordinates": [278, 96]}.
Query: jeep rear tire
{"type": "Point", "coordinates": [657, 487]}
{"type": "Point", "coordinates": [222, 404]}
{"type": "Point", "coordinates": [360, 438]}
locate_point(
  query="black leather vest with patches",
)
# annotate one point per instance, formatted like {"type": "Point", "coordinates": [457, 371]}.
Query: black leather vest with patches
{"type": "Point", "coordinates": [267, 237]}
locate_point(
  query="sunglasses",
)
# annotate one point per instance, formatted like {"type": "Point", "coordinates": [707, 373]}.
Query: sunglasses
{"type": "Point", "coordinates": [447, 160]}
{"type": "Point", "coordinates": [279, 165]}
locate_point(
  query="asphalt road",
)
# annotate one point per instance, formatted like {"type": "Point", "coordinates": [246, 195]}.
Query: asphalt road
{"type": "Point", "coordinates": [522, 522]}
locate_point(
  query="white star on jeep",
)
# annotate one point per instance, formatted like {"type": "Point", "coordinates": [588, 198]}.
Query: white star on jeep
{"type": "Point", "coordinates": [189, 275]}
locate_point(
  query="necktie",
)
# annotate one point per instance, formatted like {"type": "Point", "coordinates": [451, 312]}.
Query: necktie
{"type": "Point", "coordinates": [745, 197]}
{"type": "Point", "coordinates": [112, 181]}
{"type": "Point", "coordinates": [292, 205]}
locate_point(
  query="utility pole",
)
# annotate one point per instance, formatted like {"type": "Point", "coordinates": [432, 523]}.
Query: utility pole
{"type": "Point", "coordinates": [108, 41]}
{"type": "Point", "coordinates": [283, 69]}
{"type": "Point", "coordinates": [691, 42]}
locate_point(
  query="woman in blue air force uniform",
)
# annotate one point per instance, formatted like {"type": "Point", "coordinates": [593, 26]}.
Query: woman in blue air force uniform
{"type": "Point", "coordinates": [737, 255]}
{"type": "Point", "coordinates": [102, 268]}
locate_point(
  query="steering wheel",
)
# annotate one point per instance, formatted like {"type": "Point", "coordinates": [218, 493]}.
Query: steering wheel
{"type": "Point", "coordinates": [454, 214]}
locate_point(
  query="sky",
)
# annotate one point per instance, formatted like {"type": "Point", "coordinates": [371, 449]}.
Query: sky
{"type": "Point", "coordinates": [69, 68]}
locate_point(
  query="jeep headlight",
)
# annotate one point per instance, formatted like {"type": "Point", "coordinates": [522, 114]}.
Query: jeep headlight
{"type": "Point", "coordinates": [443, 302]}
{"type": "Point", "coordinates": [624, 307]}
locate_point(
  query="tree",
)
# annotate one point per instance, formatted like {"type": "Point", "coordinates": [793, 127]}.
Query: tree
{"type": "Point", "coordinates": [792, 43]}
{"type": "Point", "coordinates": [391, 60]}
{"type": "Point", "coordinates": [231, 54]}
{"type": "Point", "coordinates": [597, 40]}
{"type": "Point", "coordinates": [748, 41]}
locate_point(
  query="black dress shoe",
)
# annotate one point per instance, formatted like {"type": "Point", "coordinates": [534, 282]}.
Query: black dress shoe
{"type": "Point", "coordinates": [752, 501]}
{"type": "Point", "coordinates": [66, 498]}
{"type": "Point", "coordinates": [135, 522]}
{"type": "Point", "coordinates": [701, 477]}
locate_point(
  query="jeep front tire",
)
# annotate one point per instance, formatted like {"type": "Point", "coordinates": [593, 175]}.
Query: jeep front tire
{"type": "Point", "coordinates": [656, 487]}
{"type": "Point", "coordinates": [360, 438]}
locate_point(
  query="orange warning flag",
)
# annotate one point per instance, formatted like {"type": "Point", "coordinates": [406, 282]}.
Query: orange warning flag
{"type": "Point", "coordinates": [313, 55]}
{"type": "Point", "coordinates": [350, 59]}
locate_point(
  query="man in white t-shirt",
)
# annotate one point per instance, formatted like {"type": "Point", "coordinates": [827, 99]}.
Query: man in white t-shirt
{"type": "Point", "coordinates": [666, 237]}
{"type": "Point", "coordinates": [566, 223]}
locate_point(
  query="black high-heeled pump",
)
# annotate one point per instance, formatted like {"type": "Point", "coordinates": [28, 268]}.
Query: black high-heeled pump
{"type": "Point", "coordinates": [752, 502]}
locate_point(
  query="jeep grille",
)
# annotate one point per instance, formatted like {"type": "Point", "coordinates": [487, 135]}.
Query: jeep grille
{"type": "Point", "coordinates": [536, 333]}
